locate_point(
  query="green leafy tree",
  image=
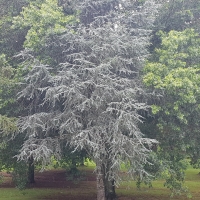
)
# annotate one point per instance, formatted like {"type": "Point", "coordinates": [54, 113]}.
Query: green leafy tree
{"type": "Point", "coordinates": [7, 85]}
{"type": "Point", "coordinates": [9, 144]}
{"type": "Point", "coordinates": [176, 15]}
{"type": "Point", "coordinates": [41, 20]}
{"type": "Point", "coordinates": [173, 76]}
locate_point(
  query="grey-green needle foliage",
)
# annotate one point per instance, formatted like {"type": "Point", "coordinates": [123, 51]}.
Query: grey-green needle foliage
{"type": "Point", "coordinates": [91, 99]}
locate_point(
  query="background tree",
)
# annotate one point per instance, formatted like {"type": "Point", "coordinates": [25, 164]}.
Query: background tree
{"type": "Point", "coordinates": [174, 78]}
{"type": "Point", "coordinates": [46, 15]}
{"type": "Point", "coordinates": [11, 40]}
{"type": "Point", "coordinates": [10, 43]}
{"type": "Point", "coordinates": [41, 19]}
{"type": "Point", "coordinates": [176, 15]}
{"type": "Point", "coordinates": [91, 99]}
{"type": "Point", "coordinates": [9, 142]}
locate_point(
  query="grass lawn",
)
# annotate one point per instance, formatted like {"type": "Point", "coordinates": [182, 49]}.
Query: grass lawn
{"type": "Point", "coordinates": [158, 192]}
{"type": "Point", "coordinates": [45, 194]}
{"type": "Point", "coordinates": [86, 190]}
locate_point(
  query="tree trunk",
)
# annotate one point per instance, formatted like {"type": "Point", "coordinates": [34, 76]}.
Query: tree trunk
{"type": "Point", "coordinates": [101, 193]}
{"type": "Point", "coordinates": [100, 184]}
{"type": "Point", "coordinates": [110, 190]}
{"type": "Point", "coordinates": [109, 183]}
{"type": "Point", "coordinates": [105, 187]}
{"type": "Point", "coordinates": [31, 170]}
{"type": "Point", "coordinates": [82, 161]}
{"type": "Point", "coordinates": [73, 168]}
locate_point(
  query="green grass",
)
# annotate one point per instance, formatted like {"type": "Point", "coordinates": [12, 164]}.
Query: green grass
{"type": "Point", "coordinates": [14, 194]}
{"type": "Point", "coordinates": [37, 194]}
{"type": "Point", "coordinates": [129, 190]}
{"type": "Point", "coordinates": [41, 194]}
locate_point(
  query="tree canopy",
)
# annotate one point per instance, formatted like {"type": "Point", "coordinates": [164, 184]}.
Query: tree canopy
{"type": "Point", "coordinates": [173, 76]}
{"type": "Point", "coordinates": [91, 99]}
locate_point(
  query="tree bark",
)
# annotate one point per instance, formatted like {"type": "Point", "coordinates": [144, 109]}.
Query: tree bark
{"type": "Point", "coordinates": [110, 190]}
{"type": "Point", "coordinates": [105, 187]}
{"type": "Point", "coordinates": [100, 185]}
{"type": "Point", "coordinates": [108, 182]}
{"type": "Point", "coordinates": [31, 170]}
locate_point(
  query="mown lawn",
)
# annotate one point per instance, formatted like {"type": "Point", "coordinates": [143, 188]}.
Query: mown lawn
{"type": "Point", "coordinates": [86, 190]}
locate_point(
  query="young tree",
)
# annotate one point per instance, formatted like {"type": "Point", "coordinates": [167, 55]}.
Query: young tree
{"type": "Point", "coordinates": [91, 100]}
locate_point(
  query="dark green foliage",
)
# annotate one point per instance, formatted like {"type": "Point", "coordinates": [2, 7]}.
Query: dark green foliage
{"type": "Point", "coordinates": [72, 159]}
{"type": "Point", "coordinates": [176, 15]}
{"type": "Point", "coordinates": [19, 170]}
{"type": "Point", "coordinates": [20, 175]}
{"type": "Point", "coordinates": [11, 40]}
{"type": "Point", "coordinates": [8, 87]}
